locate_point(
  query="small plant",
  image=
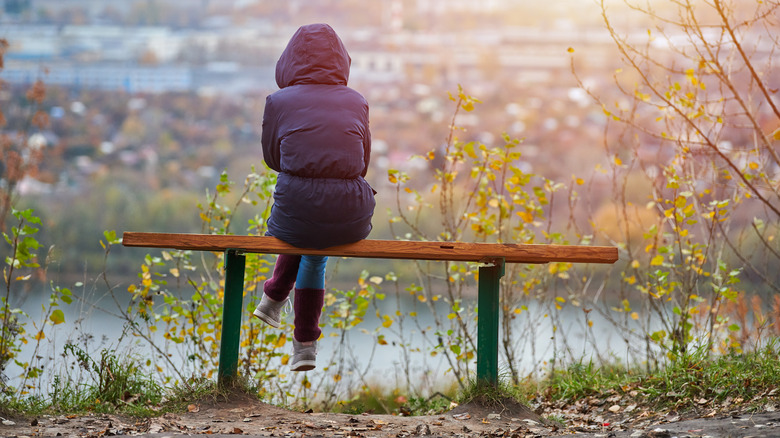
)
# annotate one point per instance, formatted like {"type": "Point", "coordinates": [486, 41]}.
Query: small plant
{"type": "Point", "coordinates": [117, 383]}
{"type": "Point", "coordinates": [437, 403]}
{"type": "Point", "coordinates": [16, 328]}
{"type": "Point", "coordinates": [489, 395]}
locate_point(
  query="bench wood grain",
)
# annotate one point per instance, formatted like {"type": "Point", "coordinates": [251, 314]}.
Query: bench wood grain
{"type": "Point", "coordinates": [383, 249]}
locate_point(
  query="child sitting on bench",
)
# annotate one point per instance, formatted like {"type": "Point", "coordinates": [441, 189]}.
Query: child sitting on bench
{"type": "Point", "coordinates": [316, 135]}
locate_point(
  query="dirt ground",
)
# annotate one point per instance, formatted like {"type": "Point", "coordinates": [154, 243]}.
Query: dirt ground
{"type": "Point", "coordinates": [244, 415]}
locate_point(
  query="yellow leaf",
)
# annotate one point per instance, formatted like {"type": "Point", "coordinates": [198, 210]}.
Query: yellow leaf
{"type": "Point", "coordinates": [175, 272]}
{"type": "Point", "coordinates": [336, 377]}
{"type": "Point", "coordinates": [560, 299]}
{"type": "Point", "coordinates": [570, 50]}
{"type": "Point", "coordinates": [618, 161]}
{"type": "Point", "coordinates": [387, 322]}
{"type": "Point", "coordinates": [580, 181]}
{"type": "Point", "coordinates": [776, 134]}
{"type": "Point", "coordinates": [590, 323]}
{"type": "Point", "coordinates": [527, 217]}
{"type": "Point", "coordinates": [468, 106]}
{"type": "Point", "coordinates": [634, 316]}
{"type": "Point", "coordinates": [40, 336]}
{"type": "Point", "coordinates": [469, 149]}
{"type": "Point", "coordinates": [635, 264]}
{"type": "Point", "coordinates": [753, 165]}
{"type": "Point", "coordinates": [285, 359]}
{"type": "Point", "coordinates": [657, 260]}
{"type": "Point", "coordinates": [452, 316]}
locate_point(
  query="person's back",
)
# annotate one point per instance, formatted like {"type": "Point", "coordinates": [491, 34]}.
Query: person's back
{"type": "Point", "coordinates": [316, 135]}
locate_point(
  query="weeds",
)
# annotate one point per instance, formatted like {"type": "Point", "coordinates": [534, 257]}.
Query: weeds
{"type": "Point", "coordinates": [490, 396]}
{"type": "Point", "coordinates": [118, 383]}
{"type": "Point", "coordinates": [698, 381]}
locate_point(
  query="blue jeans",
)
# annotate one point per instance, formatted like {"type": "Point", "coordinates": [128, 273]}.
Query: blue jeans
{"type": "Point", "coordinates": [311, 272]}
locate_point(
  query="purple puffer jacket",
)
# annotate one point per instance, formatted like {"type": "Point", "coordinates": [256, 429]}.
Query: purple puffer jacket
{"type": "Point", "coordinates": [315, 134]}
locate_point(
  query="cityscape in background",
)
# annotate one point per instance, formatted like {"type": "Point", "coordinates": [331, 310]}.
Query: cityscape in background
{"type": "Point", "coordinates": [407, 55]}
{"type": "Point", "coordinates": [170, 92]}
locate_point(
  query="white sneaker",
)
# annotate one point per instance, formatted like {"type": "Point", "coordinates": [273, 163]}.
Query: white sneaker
{"type": "Point", "coordinates": [304, 356]}
{"type": "Point", "coordinates": [270, 311]}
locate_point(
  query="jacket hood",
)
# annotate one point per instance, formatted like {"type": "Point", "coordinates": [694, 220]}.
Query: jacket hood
{"type": "Point", "coordinates": [314, 55]}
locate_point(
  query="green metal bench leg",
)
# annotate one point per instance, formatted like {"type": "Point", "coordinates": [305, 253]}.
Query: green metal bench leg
{"type": "Point", "coordinates": [231, 316]}
{"type": "Point", "coordinates": [487, 321]}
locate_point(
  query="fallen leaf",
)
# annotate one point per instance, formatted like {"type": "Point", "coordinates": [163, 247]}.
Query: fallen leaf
{"type": "Point", "coordinates": [193, 408]}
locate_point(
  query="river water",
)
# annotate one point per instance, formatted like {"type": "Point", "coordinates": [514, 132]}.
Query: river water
{"type": "Point", "coordinates": [542, 334]}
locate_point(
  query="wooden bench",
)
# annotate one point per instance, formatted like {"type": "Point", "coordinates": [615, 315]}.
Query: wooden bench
{"type": "Point", "coordinates": [493, 256]}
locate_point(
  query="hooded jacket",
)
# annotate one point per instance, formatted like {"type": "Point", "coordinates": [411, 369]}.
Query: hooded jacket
{"type": "Point", "coordinates": [316, 135]}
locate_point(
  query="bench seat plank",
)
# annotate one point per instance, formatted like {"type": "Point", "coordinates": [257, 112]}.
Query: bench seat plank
{"type": "Point", "coordinates": [385, 249]}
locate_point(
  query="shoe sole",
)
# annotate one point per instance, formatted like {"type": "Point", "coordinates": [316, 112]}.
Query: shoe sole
{"type": "Point", "coordinates": [266, 319]}
{"type": "Point", "coordinates": [304, 365]}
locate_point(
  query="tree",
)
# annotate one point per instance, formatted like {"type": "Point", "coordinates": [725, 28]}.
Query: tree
{"type": "Point", "coordinates": [696, 110]}
{"type": "Point", "coordinates": [19, 153]}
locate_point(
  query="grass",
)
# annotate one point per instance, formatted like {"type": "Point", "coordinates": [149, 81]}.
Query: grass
{"type": "Point", "coordinates": [117, 386]}
{"type": "Point", "coordinates": [696, 379]}
{"type": "Point", "coordinates": [378, 399]}
{"type": "Point", "coordinates": [490, 396]}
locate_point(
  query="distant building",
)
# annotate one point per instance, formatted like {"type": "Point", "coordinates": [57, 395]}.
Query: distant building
{"type": "Point", "coordinates": [103, 76]}
{"type": "Point", "coordinates": [15, 7]}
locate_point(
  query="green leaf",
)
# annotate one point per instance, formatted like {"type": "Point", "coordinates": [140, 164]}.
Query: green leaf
{"type": "Point", "coordinates": [57, 317]}
{"type": "Point", "coordinates": [734, 327]}
{"type": "Point", "coordinates": [110, 236]}
{"type": "Point", "coordinates": [658, 336]}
